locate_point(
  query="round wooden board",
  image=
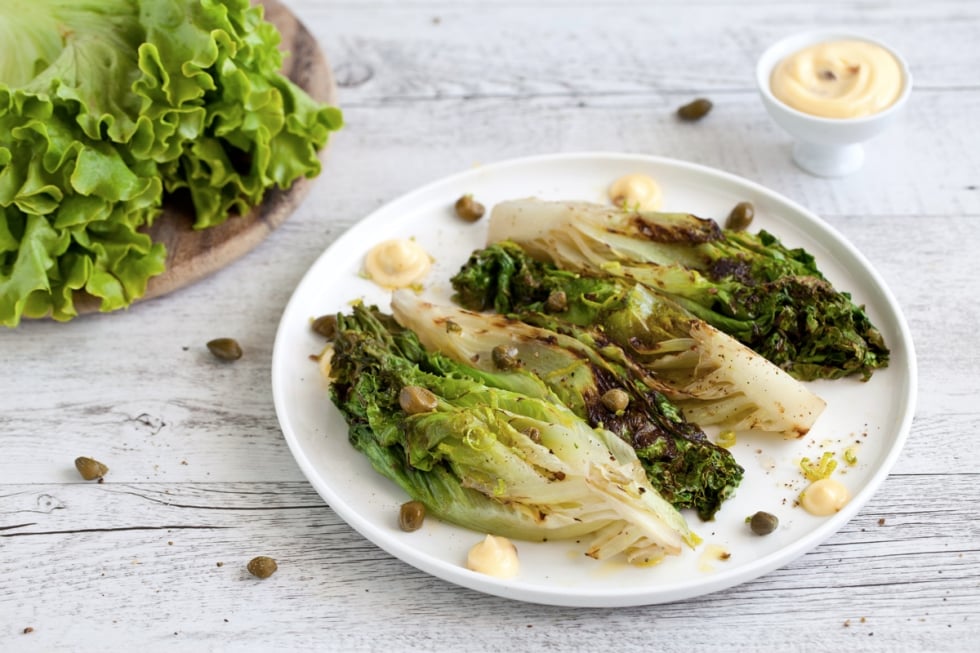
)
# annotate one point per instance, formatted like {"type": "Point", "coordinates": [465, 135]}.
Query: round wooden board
{"type": "Point", "coordinates": [194, 254]}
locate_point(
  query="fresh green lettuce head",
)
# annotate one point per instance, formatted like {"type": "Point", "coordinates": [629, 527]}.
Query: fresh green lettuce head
{"type": "Point", "coordinates": [108, 105]}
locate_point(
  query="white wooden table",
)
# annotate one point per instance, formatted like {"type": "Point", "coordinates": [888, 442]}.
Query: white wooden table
{"type": "Point", "coordinates": [201, 479]}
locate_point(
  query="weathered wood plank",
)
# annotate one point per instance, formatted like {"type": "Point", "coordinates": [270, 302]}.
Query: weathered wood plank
{"type": "Point", "coordinates": [389, 150]}
{"type": "Point", "coordinates": [430, 88]}
{"type": "Point", "coordinates": [105, 559]}
{"type": "Point", "coordinates": [434, 50]}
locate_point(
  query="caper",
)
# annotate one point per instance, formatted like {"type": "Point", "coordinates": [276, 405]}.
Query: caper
{"type": "Point", "coordinates": [557, 302]}
{"type": "Point", "coordinates": [505, 357]}
{"type": "Point", "coordinates": [469, 209]}
{"type": "Point", "coordinates": [416, 399]}
{"type": "Point", "coordinates": [90, 469]}
{"type": "Point", "coordinates": [740, 217]}
{"type": "Point", "coordinates": [262, 566]}
{"type": "Point", "coordinates": [695, 110]}
{"type": "Point", "coordinates": [615, 400]}
{"type": "Point", "coordinates": [763, 523]}
{"type": "Point", "coordinates": [411, 516]}
{"type": "Point", "coordinates": [326, 326]}
{"type": "Point", "coordinates": [227, 349]}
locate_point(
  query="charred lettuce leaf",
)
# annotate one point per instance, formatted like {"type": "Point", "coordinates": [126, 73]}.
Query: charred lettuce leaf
{"type": "Point", "coordinates": [493, 451]}
{"type": "Point", "coordinates": [710, 375]}
{"type": "Point", "coordinates": [772, 298]}
{"type": "Point", "coordinates": [683, 465]}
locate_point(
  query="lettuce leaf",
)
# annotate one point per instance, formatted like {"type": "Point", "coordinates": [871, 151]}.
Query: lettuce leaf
{"type": "Point", "coordinates": [108, 106]}
{"type": "Point", "coordinates": [238, 126]}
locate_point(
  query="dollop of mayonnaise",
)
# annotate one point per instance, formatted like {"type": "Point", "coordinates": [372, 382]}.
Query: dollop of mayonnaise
{"type": "Point", "coordinates": [838, 79]}
{"type": "Point", "coordinates": [494, 556]}
{"type": "Point", "coordinates": [636, 192]}
{"type": "Point", "coordinates": [397, 263]}
{"type": "Point", "coordinates": [824, 497]}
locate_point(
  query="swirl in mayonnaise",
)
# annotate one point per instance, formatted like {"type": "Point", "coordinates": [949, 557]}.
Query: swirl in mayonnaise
{"type": "Point", "coordinates": [839, 79]}
{"type": "Point", "coordinates": [397, 263]}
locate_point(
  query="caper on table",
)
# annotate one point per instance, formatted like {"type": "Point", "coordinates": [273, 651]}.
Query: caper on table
{"type": "Point", "coordinates": [411, 515]}
{"type": "Point", "coordinates": [416, 399]}
{"type": "Point", "coordinates": [262, 566]}
{"type": "Point", "coordinates": [469, 209]}
{"type": "Point", "coordinates": [227, 349]}
{"type": "Point", "coordinates": [695, 110]}
{"type": "Point", "coordinates": [740, 217]}
{"type": "Point", "coordinates": [763, 523]}
{"type": "Point", "coordinates": [90, 469]}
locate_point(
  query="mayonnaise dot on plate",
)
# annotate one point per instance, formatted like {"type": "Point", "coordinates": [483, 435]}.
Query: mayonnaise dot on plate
{"type": "Point", "coordinates": [636, 192]}
{"type": "Point", "coordinates": [824, 497]}
{"type": "Point", "coordinates": [397, 263]}
{"type": "Point", "coordinates": [494, 556]}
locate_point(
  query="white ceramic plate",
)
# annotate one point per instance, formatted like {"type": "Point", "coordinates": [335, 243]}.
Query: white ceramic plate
{"type": "Point", "coordinates": [875, 415]}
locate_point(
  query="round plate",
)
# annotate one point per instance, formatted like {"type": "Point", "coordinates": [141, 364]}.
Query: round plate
{"type": "Point", "coordinates": [875, 416]}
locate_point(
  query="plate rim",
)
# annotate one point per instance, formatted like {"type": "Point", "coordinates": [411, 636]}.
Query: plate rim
{"type": "Point", "coordinates": [600, 597]}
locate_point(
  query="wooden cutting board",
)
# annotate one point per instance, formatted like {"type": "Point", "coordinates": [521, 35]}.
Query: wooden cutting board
{"type": "Point", "coordinates": [194, 254]}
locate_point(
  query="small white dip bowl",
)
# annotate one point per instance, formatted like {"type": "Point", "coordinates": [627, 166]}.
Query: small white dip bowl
{"type": "Point", "coordinates": [827, 147]}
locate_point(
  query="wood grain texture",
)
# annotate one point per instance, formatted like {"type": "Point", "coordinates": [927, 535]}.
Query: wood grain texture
{"type": "Point", "coordinates": [151, 552]}
{"type": "Point", "coordinates": [195, 253]}
{"type": "Point", "coordinates": [195, 452]}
